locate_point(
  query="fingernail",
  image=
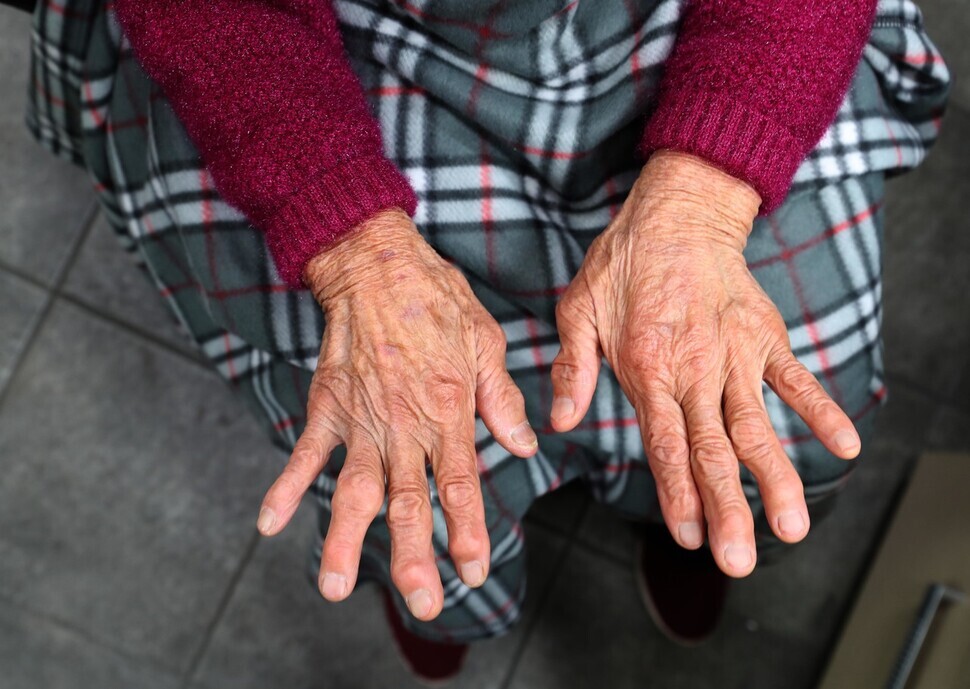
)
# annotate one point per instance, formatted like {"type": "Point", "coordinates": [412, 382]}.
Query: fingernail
{"type": "Point", "coordinates": [690, 534]}
{"type": "Point", "coordinates": [419, 603]}
{"type": "Point", "coordinates": [473, 574]}
{"type": "Point", "coordinates": [266, 520]}
{"type": "Point", "coordinates": [846, 441]}
{"type": "Point", "coordinates": [524, 436]}
{"type": "Point", "coordinates": [791, 523]}
{"type": "Point", "coordinates": [334, 586]}
{"type": "Point", "coordinates": [738, 557]}
{"type": "Point", "coordinates": [563, 408]}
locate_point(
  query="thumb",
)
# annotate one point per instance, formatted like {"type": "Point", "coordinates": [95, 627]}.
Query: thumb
{"type": "Point", "coordinates": [576, 367]}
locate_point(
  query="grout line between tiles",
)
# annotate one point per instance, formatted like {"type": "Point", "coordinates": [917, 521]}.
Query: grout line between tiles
{"type": "Point", "coordinates": [33, 330]}
{"type": "Point", "coordinates": [141, 333]}
{"type": "Point", "coordinates": [196, 660]}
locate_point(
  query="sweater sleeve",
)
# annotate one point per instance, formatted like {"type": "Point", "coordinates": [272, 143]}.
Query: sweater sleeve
{"type": "Point", "coordinates": [265, 92]}
{"type": "Point", "coordinates": [752, 85]}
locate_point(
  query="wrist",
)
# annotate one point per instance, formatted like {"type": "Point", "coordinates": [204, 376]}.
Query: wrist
{"type": "Point", "coordinates": [695, 199]}
{"type": "Point", "coordinates": [360, 254]}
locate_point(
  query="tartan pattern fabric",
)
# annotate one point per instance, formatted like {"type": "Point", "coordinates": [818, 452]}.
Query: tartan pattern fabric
{"type": "Point", "coordinates": [521, 151]}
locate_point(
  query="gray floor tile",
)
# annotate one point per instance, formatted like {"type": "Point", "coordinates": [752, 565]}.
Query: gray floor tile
{"type": "Point", "coordinates": [43, 198]}
{"type": "Point", "coordinates": [948, 24]}
{"type": "Point", "coordinates": [279, 632]}
{"type": "Point", "coordinates": [130, 487]}
{"type": "Point", "coordinates": [38, 654]}
{"type": "Point", "coordinates": [927, 331]}
{"type": "Point", "coordinates": [107, 278]}
{"type": "Point", "coordinates": [779, 622]}
{"type": "Point", "coordinates": [20, 305]}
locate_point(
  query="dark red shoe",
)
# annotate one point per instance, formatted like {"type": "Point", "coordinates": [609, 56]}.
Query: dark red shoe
{"type": "Point", "coordinates": [430, 662]}
{"type": "Point", "coordinates": [683, 590]}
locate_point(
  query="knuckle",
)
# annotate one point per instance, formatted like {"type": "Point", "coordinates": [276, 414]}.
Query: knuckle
{"type": "Point", "coordinates": [565, 309]}
{"type": "Point", "coordinates": [734, 516]}
{"type": "Point", "coordinates": [668, 451]}
{"type": "Point", "coordinates": [305, 461]}
{"type": "Point", "coordinates": [406, 570]}
{"type": "Point", "coordinates": [467, 543]}
{"type": "Point", "coordinates": [358, 493]}
{"type": "Point", "coordinates": [459, 494]}
{"type": "Point", "coordinates": [407, 509]}
{"type": "Point", "coordinates": [567, 373]}
{"type": "Point", "coordinates": [495, 336]}
{"type": "Point", "coordinates": [714, 464]}
{"type": "Point", "coordinates": [748, 430]}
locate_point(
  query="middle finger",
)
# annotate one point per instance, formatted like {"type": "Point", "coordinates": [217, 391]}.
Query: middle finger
{"type": "Point", "coordinates": [413, 568]}
{"type": "Point", "coordinates": [717, 475]}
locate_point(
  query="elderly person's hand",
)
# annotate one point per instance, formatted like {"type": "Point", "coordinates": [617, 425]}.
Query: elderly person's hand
{"type": "Point", "coordinates": [665, 295]}
{"type": "Point", "coordinates": [408, 355]}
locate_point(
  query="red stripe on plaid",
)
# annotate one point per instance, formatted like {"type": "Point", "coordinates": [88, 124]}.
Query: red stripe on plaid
{"type": "Point", "coordinates": [899, 151]}
{"type": "Point", "coordinates": [227, 346]}
{"type": "Point", "coordinates": [484, 31]}
{"type": "Point", "coordinates": [555, 155]}
{"type": "Point", "coordinates": [45, 94]}
{"type": "Point", "coordinates": [788, 253]}
{"type": "Point", "coordinates": [64, 12]}
{"type": "Point", "coordinates": [635, 70]}
{"type": "Point", "coordinates": [485, 177]}
{"type": "Point", "coordinates": [922, 58]}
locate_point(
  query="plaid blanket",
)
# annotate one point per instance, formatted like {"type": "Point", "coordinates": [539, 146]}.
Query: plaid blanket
{"type": "Point", "coordinates": [520, 150]}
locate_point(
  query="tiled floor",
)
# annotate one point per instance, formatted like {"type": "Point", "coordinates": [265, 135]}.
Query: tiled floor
{"type": "Point", "coordinates": [128, 556]}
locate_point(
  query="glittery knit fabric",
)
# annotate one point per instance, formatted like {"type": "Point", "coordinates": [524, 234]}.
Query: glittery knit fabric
{"type": "Point", "coordinates": [264, 90]}
{"type": "Point", "coordinates": [267, 96]}
{"type": "Point", "coordinates": [752, 84]}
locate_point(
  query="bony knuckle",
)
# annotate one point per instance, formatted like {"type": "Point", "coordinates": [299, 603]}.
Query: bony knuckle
{"type": "Point", "coordinates": [406, 509]}
{"type": "Point", "coordinates": [668, 450]}
{"type": "Point", "coordinates": [459, 494]}
{"type": "Point", "coordinates": [747, 429]}
{"type": "Point", "coordinates": [358, 493]}
{"type": "Point", "coordinates": [496, 337]}
{"type": "Point", "coordinates": [304, 461]}
{"type": "Point", "coordinates": [735, 517]}
{"type": "Point", "coordinates": [567, 373]}
{"type": "Point", "coordinates": [565, 309]}
{"type": "Point", "coordinates": [713, 462]}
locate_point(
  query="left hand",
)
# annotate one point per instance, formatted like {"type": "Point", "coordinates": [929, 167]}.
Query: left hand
{"type": "Point", "coordinates": [665, 295]}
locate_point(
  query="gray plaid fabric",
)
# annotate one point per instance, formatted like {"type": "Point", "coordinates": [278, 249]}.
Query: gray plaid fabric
{"type": "Point", "coordinates": [516, 123]}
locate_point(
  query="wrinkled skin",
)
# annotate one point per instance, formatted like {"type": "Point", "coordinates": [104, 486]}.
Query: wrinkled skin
{"type": "Point", "coordinates": [408, 355]}
{"type": "Point", "coordinates": [665, 296]}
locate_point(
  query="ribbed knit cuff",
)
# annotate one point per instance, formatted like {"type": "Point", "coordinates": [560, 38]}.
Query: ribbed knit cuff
{"type": "Point", "coordinates": [741, 141]}
{"type": "Point", "coordinates": [333, 203]}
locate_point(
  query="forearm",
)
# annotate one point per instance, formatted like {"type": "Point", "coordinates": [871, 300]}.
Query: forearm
{"type": "Point", "coordinates": [752, 85]}
{"type": "Point", "coordinates": [267, 95]}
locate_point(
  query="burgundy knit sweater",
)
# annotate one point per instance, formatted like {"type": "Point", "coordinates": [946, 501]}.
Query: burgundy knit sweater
{"type": "Point", "coordinates": [268, 97]}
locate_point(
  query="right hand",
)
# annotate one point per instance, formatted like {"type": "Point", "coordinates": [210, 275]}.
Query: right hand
{"type": "Point", "coordinates": [408, 355]}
